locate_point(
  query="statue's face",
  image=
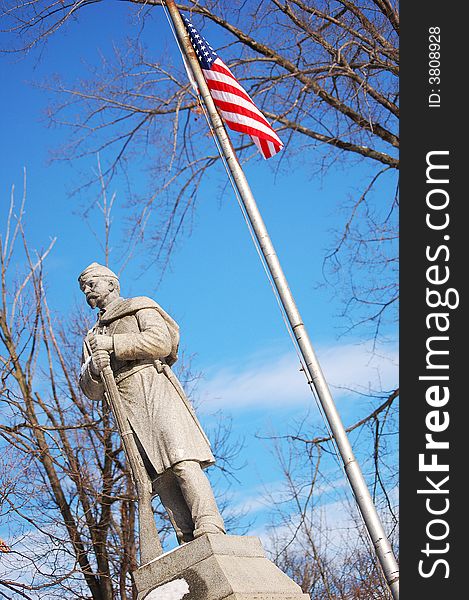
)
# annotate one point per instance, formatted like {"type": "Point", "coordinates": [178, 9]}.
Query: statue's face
{"type": "Point", "coordinates": [97, 290]}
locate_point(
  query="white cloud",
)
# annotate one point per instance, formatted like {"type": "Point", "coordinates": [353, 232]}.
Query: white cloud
{"type": "Point", "coordinates": [337, 527]}
{"type": "Point", "coordinates": [261, 381]}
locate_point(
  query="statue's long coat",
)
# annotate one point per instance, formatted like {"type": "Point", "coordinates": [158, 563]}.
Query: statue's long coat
{"type": "Point", "coordinates": [165, 427]}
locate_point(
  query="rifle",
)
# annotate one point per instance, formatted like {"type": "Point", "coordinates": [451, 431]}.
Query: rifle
{"type": "Point", "coordinates": [150, 545]}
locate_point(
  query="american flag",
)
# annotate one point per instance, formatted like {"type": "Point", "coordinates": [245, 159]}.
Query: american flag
{"type": "Point", "coordinates": [236, 107]}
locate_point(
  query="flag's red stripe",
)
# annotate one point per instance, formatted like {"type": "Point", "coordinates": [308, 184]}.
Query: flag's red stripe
{"type": "Point", "coordinates": [236, 108]}
{"type": "Point", "coordinates": [220, 66]}
{"type": "Point", "coordinates": [228, 97]}
{"type": "Point", "coordinates": [223, 86]}
{"type": "Point", "coordinates": [252, 131]}
{"type": "Point", "coordinates": [240, 110]}
{"type": "Point", "coordinates": [265, 148]}
{"type": "Point", "coordinates": [266, 132]}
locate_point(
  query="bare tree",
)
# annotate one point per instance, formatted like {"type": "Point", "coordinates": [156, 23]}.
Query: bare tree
{"type": "Point", "coordinates": [316, 535]}
{"type": "Point", "coordinates": [66, 497]}
{"type": "Point", "coordinates": [72, 508]}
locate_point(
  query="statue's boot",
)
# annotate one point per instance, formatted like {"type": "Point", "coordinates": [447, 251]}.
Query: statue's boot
{"type": "Point", "coordinates": [167, 487]}
{"type": "Point", "coordinates": [199, 498]}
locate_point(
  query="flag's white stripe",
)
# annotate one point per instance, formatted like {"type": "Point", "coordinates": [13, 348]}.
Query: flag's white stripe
{"type": "Point", "coordinates": [189, 73]}
{"type": "Point", "coordinates": [253, 123]}
{"type": "Point", "coordinates": [234, 99]}
{"type": "Point", "coordinates": [262, 132]}
{"type": "Point", "coordinates": [242, 120]}
{"type": "Point", "coordinates": [223, 66]}
{"type": "Point", "coordinates": [217, 76]}
{"type": "Point", "coordinates": [257, 141]}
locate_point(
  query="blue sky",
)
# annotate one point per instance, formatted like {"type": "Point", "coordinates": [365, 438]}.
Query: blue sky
{"type": "Point", "coordinates": [216, 288]}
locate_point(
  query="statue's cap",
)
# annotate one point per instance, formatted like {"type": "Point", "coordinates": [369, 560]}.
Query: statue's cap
{"type": "Point", "coordinates": [96, 270]}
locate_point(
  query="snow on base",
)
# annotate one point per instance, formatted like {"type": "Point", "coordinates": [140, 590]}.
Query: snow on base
{"type": "Point", "coordinates": [174, 590]}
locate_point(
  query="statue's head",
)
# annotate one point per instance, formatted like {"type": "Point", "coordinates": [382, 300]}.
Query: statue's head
{"type": "Point", "coordinates": [99, 284]}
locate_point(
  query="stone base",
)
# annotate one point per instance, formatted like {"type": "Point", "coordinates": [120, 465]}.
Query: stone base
{"type": "Point", "coordinates": [215, 567]}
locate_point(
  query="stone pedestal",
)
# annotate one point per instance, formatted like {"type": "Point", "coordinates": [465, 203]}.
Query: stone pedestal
{"type": "Point", "coordinates": [215, 567]}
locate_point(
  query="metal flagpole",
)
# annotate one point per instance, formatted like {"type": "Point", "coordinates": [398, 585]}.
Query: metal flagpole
{"type": "Point", "coordinates": [352, 468]}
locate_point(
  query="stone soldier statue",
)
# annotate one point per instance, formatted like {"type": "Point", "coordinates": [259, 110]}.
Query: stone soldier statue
{"type": "Point", "coordinates": [139, 340]}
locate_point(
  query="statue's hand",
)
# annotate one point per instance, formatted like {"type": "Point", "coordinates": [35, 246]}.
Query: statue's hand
{"type": "Point", "coordinates": [99, 360]}
{"type": "Point", "coordinates": [101, 346]}
{"type": "Point", "coordinates": [101, 342]}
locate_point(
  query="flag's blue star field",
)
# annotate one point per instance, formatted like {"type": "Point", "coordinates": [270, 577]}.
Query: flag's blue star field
{"type": "Point", "coordinates": [205, 53]}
